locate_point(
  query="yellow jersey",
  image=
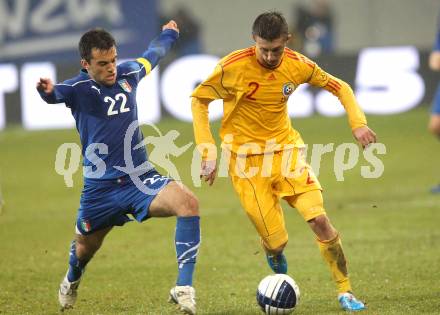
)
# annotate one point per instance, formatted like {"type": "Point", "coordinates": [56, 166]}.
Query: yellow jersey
{"type": "Point", "coordinates": [255, 99]}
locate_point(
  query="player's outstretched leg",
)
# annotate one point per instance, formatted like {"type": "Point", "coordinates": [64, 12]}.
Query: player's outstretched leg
{"type": "Point", "coordinates": [187, 241]}
{"type": "Point", "coordinates": [329, 245]}
{"type": "Point", "coordinates": [333, 254]}
{"type": "Point", "coordinates": [177, 200]}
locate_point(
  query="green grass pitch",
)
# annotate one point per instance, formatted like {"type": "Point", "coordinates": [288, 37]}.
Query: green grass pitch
{"type": "Point", "coordinates": [389, 227]}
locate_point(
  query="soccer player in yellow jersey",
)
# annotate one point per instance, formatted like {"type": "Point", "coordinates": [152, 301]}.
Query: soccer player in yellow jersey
{"type": "Point", "coordinates": [255, 84]}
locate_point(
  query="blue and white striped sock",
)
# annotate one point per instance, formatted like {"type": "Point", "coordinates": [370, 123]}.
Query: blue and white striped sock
{"type": "Point", "coordinates": [76, 266]}
{"type": "Point", "coordinates": [187, 242]}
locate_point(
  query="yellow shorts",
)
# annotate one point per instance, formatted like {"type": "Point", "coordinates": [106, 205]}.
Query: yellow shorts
{"type": "Point", "coordinates": [261, 180]}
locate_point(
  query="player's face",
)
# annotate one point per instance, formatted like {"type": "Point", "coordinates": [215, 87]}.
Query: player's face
{"type": "Point", "coordinates": [102, 66]}
{"type": "Point", "coordinates": [270, 52]}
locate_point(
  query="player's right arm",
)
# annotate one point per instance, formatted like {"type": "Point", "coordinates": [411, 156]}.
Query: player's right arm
{"type": "Point", "coordinates": [204, 138]}
{"type": "Point", "coordinates": [52, 93]}
{"type": "Point", "coordinates": [157, 49]}
{"type": "Point", "coordinates": [160, 46]}
{"type": "Point", "coordinates": [211, 89]}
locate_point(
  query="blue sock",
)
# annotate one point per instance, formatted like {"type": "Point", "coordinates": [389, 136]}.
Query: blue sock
{"type": "Point", "coordinates": [76, 266]}
{"type": "Point", "coordinates": [187, 247]}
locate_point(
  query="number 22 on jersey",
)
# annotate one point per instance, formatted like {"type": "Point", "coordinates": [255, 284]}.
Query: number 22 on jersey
{"type": "Point", "coordinates": [122, 109]}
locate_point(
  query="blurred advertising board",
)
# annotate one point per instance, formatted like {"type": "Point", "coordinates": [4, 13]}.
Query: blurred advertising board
{"type": "Point", "coordinates": [386, 80]}
{"type": "Point", "coordinates": [50, 29]}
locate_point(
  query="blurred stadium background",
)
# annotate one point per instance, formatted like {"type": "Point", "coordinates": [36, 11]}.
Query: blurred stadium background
{"type": "Point", "coordinates": [40, 38]}
{"type": "Point", "coordinates": [389, 224]}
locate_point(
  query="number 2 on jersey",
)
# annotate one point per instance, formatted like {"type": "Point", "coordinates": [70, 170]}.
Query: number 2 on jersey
{"type": "Point", "coordinates": [122, 108]}
{"type": "Point", "coordinates": [254, 86]}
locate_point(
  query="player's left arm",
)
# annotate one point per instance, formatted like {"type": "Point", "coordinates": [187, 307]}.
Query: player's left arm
{"type": "Point", "coordinates": [342, 90]}
{"type": "Point", "coordinates": [159, 46]}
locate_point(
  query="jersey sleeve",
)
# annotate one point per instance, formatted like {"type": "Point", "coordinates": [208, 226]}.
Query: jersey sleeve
{"type": "Point", "coordinates": [157, 49]}
{"type": "Point", "coordinates": [137, 69]}
{"type": "Point", "coordinates": [213, 87]}
{"type": "Point", "coordinates": [62, 93]}
{"type": "Point", "coordinates": [202, 130]}
{"type": "Point", "coordinates": [343, 92]}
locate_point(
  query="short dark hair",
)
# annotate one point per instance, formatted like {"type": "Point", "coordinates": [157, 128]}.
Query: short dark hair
{"type": "Point", "coordinates": [270, 25]}
{"type": "Point", "coordinates": [95, 38]}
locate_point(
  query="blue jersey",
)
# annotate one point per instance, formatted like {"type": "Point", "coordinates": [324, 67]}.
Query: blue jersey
{"type": "Point", "coordinates": [103, 114]}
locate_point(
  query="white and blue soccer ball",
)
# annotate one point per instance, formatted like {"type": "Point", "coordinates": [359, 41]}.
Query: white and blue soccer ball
{"type": "Point", "coordinates": [278, 294]}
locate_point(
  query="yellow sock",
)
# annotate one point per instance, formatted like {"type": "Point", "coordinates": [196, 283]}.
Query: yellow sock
{"type": "Point", "coordinates": [333, 254]}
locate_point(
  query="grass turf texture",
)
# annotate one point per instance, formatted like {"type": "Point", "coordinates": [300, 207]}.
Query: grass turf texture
{"type": "Point", "coordinates": [389, 228]}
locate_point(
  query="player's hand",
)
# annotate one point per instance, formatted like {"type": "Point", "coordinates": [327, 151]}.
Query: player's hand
{"type": "Point", "coordinates": [45, 85]}
{"type": "Point", "coordinates": [434, 60]}
{"type": "Point", "coordinates": [208, 171]}
{"type": "Point", "coordinates": [171, 25]}
{"type": "Point", "coordinates": [364, 136]}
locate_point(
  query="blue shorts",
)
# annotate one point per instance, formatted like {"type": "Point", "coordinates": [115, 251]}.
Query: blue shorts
{"type": "Point", "coordinates": [436, 103]}
{"type": "Point", "coordinates": [106, 203]}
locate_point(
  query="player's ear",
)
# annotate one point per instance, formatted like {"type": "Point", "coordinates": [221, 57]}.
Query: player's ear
{"type": "Point", "coordinates": [84, 64]}
{"type": "Point", "coordinates": [289, 38]}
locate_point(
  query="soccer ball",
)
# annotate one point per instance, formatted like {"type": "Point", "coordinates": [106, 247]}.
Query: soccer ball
{"type": "Point", "coordinates": [278, 294]}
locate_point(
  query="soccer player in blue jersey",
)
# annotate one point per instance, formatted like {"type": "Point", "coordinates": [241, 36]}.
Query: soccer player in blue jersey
{"type": "Point", "coordinates": [434, 64]}
{"type": "Point", "coordinates": [102, 99]}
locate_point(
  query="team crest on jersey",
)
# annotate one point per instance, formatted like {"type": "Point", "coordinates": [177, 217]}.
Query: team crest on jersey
{"type": "Point", "coordinates": [125, 85]}
{"type": "Point", "coordinates": [288, 88]}
{"type": "Point", "coordinates": [85, 224]}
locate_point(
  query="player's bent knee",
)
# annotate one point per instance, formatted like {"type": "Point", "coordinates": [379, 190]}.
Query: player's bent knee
{"type": "Point", "coordinates": [189, 207]}
{"type": "Point", "coordinates": [193, 205]}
